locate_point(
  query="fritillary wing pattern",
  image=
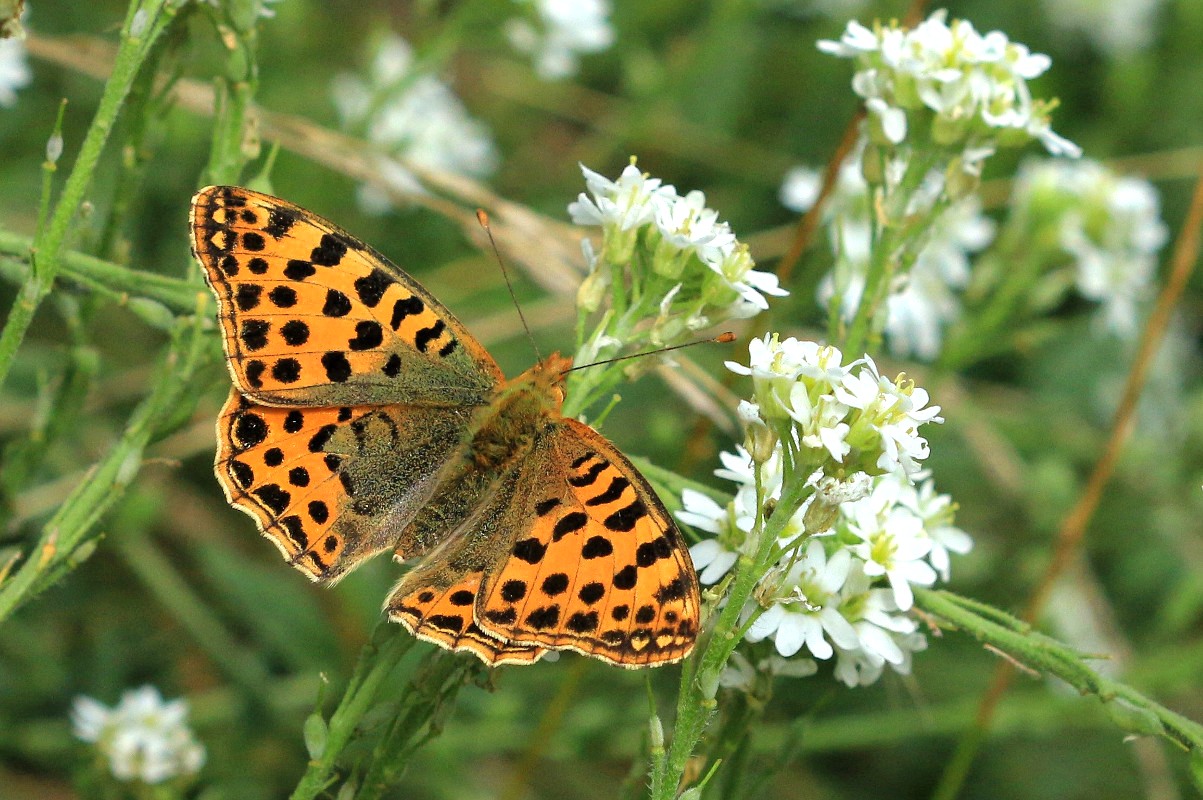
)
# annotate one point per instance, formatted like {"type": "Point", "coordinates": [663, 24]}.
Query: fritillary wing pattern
{"type": "Point", "coordinates": [332, 486]}
{"type": "Point", "coordinates": [311, 316]}
{"type": "Point", "coordinates": [595, 563]}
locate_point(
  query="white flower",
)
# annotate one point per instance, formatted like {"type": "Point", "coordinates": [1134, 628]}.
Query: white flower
{"type": "Point", "coordinates": [740, 673]}
{"type": "Point", "coordinates": [936, 511]}
{"type": "Point", "coordinates": [807, 614]}
{"type": "Point", "coordinates": [733, 264]}
{"type": "Point", "coordinates": [627, 203]}
{"type": "Point", "coordinates": [892, 544]}
{"type": "Point", "coordinates": [415, 117]}
{"type": "Point", "coordinates": [563, 30]}
{"type": "Point", "coordinates": [974, 86]}
{"type": "Point", "coordinates": [800, 188]}
{"type": "Point", "coordinates": [715, 557]}
{"type": "Point", "coordinates": [14, 70]}
{"type": "Point", "coordinates": [686, 224]}
{"type": "Point", "coordinates": [144, 738]}
{"type": "Point", "coordinates": [892, 409]}
{"type": "Point", "coordinates": [1109, 225]}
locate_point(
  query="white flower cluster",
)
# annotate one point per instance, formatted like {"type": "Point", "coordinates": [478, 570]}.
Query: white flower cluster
{"type": "Point", "coordinates": [411, 115]}
{"type": "Point", "coordinates": [1108, 225]}
{"type": "Point", "coordinates": [841, 419]}
{"type": "Point", "coordinates": [926, 300]}
{"type": "Point", "coordinates": [690, 263]}
{"type": "Point", "coordinates": [846, 592]}
{"type": "Point", "coordinates": [144, 738]}
{"type": "Point", "coordinates": [969, 88]}
{"type": "Point", "coordinates": [851, 553]}
{"type": "Point", "coordinates": [14, 70]}
{"type": "Point", "coordinates": [559, 32]}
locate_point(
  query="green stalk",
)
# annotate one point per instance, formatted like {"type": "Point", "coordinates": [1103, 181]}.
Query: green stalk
{"type": "Point", "coordinates": [696, 702]}
{"type": "Point", "coordinates": [431, 693]}
{"type": "Point", "coordinates": [179, 296]}
{"type": "Point", "coordinates": [131, 53]}
{"type": "Point", "coordinates": [376, 663]}
{"type": "Point", "coordinates": [1128, 708]}
{"type": "Point", "coordinates": [65, 537]}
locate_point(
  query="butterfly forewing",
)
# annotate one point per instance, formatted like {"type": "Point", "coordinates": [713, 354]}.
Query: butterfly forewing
{"type": "Point", "coordinates": [311, 316]}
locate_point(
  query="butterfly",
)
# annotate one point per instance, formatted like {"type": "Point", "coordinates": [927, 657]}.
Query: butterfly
{"type": "Point", "coordinates": [364, 417]}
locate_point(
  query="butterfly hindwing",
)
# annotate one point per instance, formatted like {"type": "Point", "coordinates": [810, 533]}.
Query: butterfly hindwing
{"type": "Point", "coordinates": [440, 611]}
{"type": "Point", "coordinates": [595, 563]}
{"type": "Point", "coordinates": [311, 316]}
{"type": "Point", "coordinates": [332, 486]}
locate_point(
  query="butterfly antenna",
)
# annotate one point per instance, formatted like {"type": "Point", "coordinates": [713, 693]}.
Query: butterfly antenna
{"type": "Point", "coordinates": [722, 338]}
{"type": "Point", "coordinates": [483, 219]}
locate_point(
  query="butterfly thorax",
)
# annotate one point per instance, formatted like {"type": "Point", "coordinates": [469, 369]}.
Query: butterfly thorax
{"type": "Point", "coordinates": [521, 408]}
{"type": "Point", "coordinates": [501, 435]}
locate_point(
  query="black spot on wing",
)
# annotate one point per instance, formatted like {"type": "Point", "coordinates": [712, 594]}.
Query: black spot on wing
{"type": "Point", "coordinates": [368, 335]}
{"type": "Point", "coordinates": [249, 430]}
{"type": "Point", "coordinates": [337, 304]}
{"type": "Point", "coordinates": [425, 336]}
{"type": "Point", "coordinates": [530, 550]}
{"type": "Point", "coordinates": [330, 250]}
{"type": "Point", "coordinates": [247, 296]}
{"type": "Point", "coordinates": [624, 519]}
{"type": "Point", "coordinates": [403, 308]}
{"type": "Point", "coordinates": [588, 477]}
{"type": "Point", "coordinates": [512, 591]}
{"type": "Point", "coordinates": [297, 270]}
{"type": "Point", "coordinates": [253, 334]}
{"type": "Point", "coordinates": [371, 287]}
{"type": "Point", "coordinates": [569, 523]}
{"type": "Point", "coordinates": [279, 222]}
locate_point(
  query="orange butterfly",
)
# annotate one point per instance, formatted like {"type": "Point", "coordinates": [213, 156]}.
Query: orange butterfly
{"type": "Point", "coordinates": [365, 417]}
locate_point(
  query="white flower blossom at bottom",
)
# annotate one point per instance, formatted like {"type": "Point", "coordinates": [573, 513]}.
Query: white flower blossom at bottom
{"type": "Point", "coordinates": [144, 738]}
{"type": "Point", "coordinates": [809, 616]}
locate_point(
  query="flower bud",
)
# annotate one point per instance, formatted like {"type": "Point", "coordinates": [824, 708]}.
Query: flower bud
{"type": "Point", "coordinates": [54, 148]}
{"type": "Point", "coordinates": [655, 733]}
{"type": "Point", "coordinates": [315, 733]}
{"type": "Point", "coordinates": [592, 291]}
{"type": "Point", "coordinates": [872, 165]}
{"type": "Point", "coordinates": [759, 439]}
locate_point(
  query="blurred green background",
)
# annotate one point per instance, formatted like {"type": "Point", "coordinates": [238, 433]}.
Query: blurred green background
{"type": "Point", "coordinates": [723, 97]}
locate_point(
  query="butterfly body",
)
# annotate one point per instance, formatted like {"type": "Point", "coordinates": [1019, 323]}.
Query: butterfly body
{"type": "Point", "coordinates": [366, 418]}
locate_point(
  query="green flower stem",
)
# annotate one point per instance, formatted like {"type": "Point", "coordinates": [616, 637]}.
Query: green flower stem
{"type": "Point", "coordinates": [179, 296]}
{"type": "Point", "coordinates": [429, 695]}
{"type": "Point", "coordinates": [65, 538]}
{"type": "Point", "coordinates": [377, 661]}
{"type": "Point", "coordinates": [881, 269]}
{"type": "Point", "coordinates": [696, 702]}
{"type": "Point", "coordinates": [979, 336]}
{"type": "Point", "coordinates": [131, 53]}
{"type": "Point", "coordinates": [1128, 708]}
{"type": "Point", "coordinates": [894, 249]}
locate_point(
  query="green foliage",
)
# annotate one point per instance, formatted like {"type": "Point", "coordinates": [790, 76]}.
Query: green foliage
{"type": "Point", "coordinates": [121, 564]}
